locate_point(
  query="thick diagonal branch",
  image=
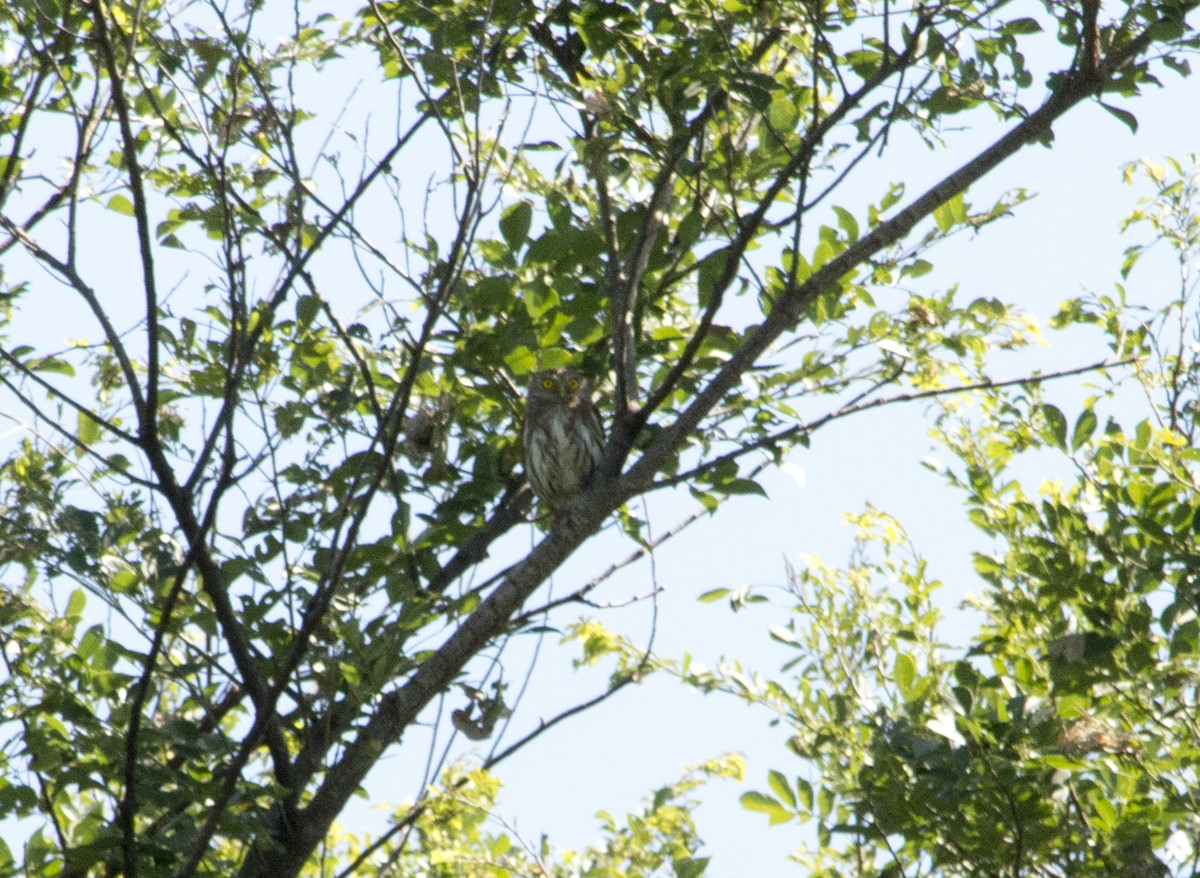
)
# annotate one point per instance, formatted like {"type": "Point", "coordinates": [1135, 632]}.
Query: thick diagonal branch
{"type": "Point", "coordinates": [286, 853]}
{"type": "Point", "coordinates": [791, 304]}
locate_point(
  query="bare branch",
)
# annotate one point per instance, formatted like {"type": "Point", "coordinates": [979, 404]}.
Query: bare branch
{"type": "Point", "coordinates": [148, 411]}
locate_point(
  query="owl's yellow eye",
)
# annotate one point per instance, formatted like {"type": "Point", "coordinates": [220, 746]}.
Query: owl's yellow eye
{"type": "Point", "coordinates": [548, 383]}
{"type": "Point", "coordinates": [573, 384]}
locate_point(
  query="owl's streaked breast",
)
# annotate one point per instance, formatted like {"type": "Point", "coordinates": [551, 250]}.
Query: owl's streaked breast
{"type": "Point", "coordinates": [563, 442]}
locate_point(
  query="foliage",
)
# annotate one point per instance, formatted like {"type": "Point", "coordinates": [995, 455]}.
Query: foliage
{"type": "Point", "coordinates": [273, 279]}
{"type": "Point", "coordinates": [446, 834]}
{"type": "Point", "coordinates": [1062, 740]}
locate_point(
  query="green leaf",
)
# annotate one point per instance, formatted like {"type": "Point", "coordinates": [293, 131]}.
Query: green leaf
{"type": "Point", "coordinates": [307, 309]}
{"type": "Point", "coordinates": [539, 299]}
{"type": "Point", "coordinates": [742, 486]}
{"type": "Point", "coordinates": [753, 801]}
{"type": "Point", "coordinates": [822, 254]}
{"type": "Point", "coordinates": [1056, 426]}
{"type": "Point", "coordinates": [52, 365]}
{"type": "Point", "coordinates": [120, 204]}
{"type": "Point", "coordinates": [690, 867]}
{"type": "Point", "coordinates": [1021, 26]}
{"type": "Point", "coordinates": [847, 223]}
{"type": "Point", "coordinates": [1142, 435]}
{"type": "Point", "coordinates": [76, 603]}
{"type": "Point", "coordinates": [515, 223]}
{"type": "Point", "coordinates": [87, 430]}
{"type": "Point", "coordinates": [904, 672]}
{"type": "Point", "coordinates": [782, 114]}
{"type": "Point", "coordinates": [950, 213]}
{"type": "Point", "coordinates": [1124, 115]}
{"type": "Point", "coordinates": [864, 62]}
{"type": "Point", "coordinates": [708, 501]}
{"type": "Point", "coordinates": [123, 581]}
{"type": "Point", "coordinates": [764, 804]}
{"type": "Point", "coordinates": [780, 786]}
{"type": "Point", "coordinates": [783, 635]}
{"type": "Point", "coordinates": [1085, 426]}
{"type": "Point", "coordinates": [91, 641]}
{"type": "Point", "coordinates": [1105, 814]}
{"type": "Point", "coordinates": [351, 673]}
{"type": "Point", "coordinates": [805, 792]}
{"type": "Point", "coordinates": [709, 275]}
{"type": "Point", "coordinates": [493, 293]}
{"type": "Point", "coordinates": [521, 360]}
{"type": "Point", "coordinates": [688, 231]}
{"type": "Point", "coordinates": [916, 268]}
{"type": "Point", "coordinates": [824, 802]}
{"type": "Point", "coordinates": [717, 593]}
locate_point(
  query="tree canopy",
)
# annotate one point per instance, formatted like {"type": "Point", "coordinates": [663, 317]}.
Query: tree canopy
{"type": "Point", "coordinates": [273, 282]}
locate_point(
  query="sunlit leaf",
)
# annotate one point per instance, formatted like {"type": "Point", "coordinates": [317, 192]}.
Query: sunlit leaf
{"type": "Point", "coordinates": [1056, 425]}
{"type": "Point", "coordinates": [763, 804]}
{"type": "Point", "coordinates": [120, 204]}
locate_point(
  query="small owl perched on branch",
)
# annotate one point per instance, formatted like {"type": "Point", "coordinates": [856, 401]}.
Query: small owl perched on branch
{"type": "Point", "coordinates": [563, 437]}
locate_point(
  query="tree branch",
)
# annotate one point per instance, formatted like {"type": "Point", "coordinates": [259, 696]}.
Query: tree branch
{"type": "Point", "coordinates": [147, 412]}
{"type": "Point", "coordinates": [790, 306]}
{"type": "Point", "coordinates": [752, 224]}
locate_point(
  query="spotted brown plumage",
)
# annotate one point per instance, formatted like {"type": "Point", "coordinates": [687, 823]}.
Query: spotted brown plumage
{"type": "Point", "coordinates": [563, 438]}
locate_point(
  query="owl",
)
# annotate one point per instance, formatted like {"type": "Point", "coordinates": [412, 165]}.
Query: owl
{"type": "Point", "coordinates": [563, 437]}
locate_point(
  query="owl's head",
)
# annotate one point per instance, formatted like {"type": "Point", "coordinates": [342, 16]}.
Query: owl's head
{"type": "Point", "coordinates": [560, 384]}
